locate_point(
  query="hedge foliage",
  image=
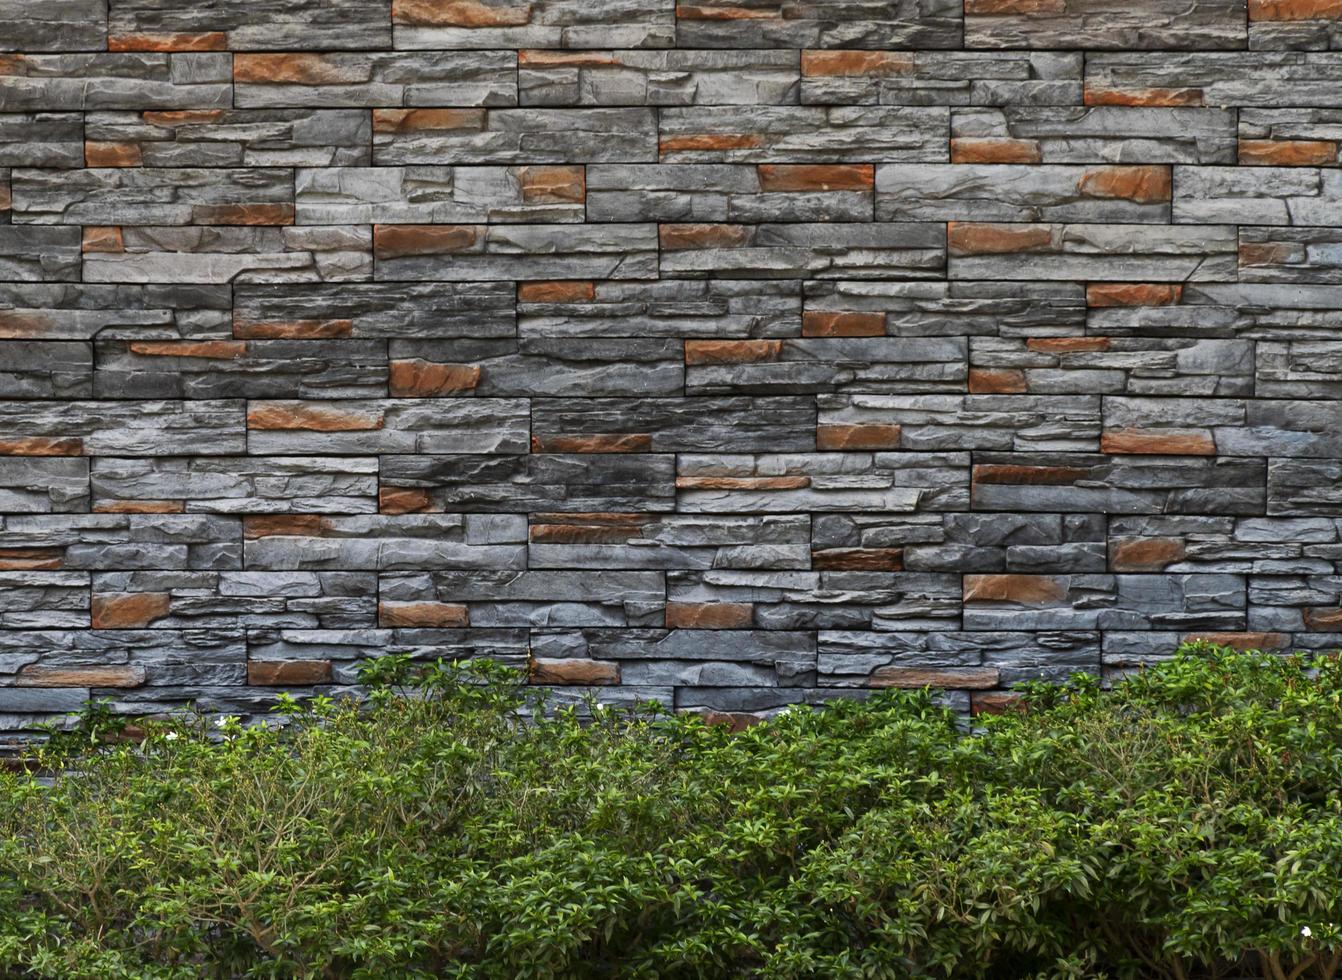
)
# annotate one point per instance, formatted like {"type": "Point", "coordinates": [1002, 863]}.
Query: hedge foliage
{"type": "Point", "coordinates": [1185, 824]}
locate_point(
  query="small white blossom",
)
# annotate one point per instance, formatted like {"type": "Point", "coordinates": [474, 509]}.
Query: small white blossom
{"type": "Point", "coordinates": [1306, 932]}
{"type": "Point", "coordinates": [170, 736]}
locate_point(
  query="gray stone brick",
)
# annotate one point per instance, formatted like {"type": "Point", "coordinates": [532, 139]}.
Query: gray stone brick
{"type": "Point", "coordinates": [514, 136]}
{"type": "Point", "coordinates": [385, 81]}
{"type": "Point", "coordinates": [41, 139]}
{"type": "Point", "coordinates": [55, 25]}
{"type": "Point", "coordinates": [838, 23]}
{"type": "Point", "coordinates": [251, 24]}
{"type": "Point", "coordinates": [282, 428]}
{"type": "Point", "coordinates": [238, 484]}
{"type": "Point", "coordinates": [802, 134]}
{"type": "Point", "coordinates": [1115, 134]}
{"type": "Point", "coordinates": [230, 138]}
{"type": "Point", "coordinates": [536, 24]}
{"type": "Point", "coordinates": [959, 78]}
{"type": "Point", "coordinates": [660, 78]}
{"type": "Point", "coordinates": [1156, 24]}
{"type": "Point", "coordinates": [55, 82]}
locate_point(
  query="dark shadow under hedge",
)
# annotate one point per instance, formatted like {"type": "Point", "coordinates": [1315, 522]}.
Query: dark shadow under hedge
{"type": "Point", "coordinates": [1185, 824]}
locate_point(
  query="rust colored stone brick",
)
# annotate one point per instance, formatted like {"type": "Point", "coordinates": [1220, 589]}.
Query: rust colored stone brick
{"type": "Point", "coordinates": [403, 500]}
{"type": "Point", "coordinates": [1241, 641]}
{"type": "Point", "coordinates": [283, 525]}
{"type": "Point", "coordinates": [1287, 10]}
{"type": "Point", "coordinates": [743, 482]}
{"type": "Point", "coordinates": [869, 435]}
{"type": "Point", "coordinates": [312, 418]}
{"type": "Point", "coordinates": [427, 615]}
{"type": "Point", "coordinates": [951, 678]}
{"type": "Point", "coordinates": [1026, 475]}
{"type": "Point", "coordinates": [858, 560]}
{"type": "Point", "coordinates": [426, 120]}
{"type": "Point", "coordinates": [459, 13]}
{"type": "Point", "coordinates": [997, 381]}
{"type": "Point", "coordinates": [395, 241]}
{"type": "Point", "coordinates": [425, 379]}
{"type": "Point", "coordinates": [42, 446]}
{"type": "Point", "coordinates": [206, 41]}
{"type": "Point", "coordinates": [731, 351]}
{"type": "Point", "coordinates": [813, 177]}
{"type": "Point", "coordinates": [570, 291]}
{"type": "Point", "coordinates": [573, 671]}
{"type": "Point", "coordinates": [1145, 185]}
{"type": "Point", "coordinates": [593, 528]}
{"type": "Point", "coordinates": [1067, 345]}
{"type": "Point", "coordinates": [966, 149]}
{"type": "Point", "coordinates": [288, 673]}
{"type": "Point", "coordinates": [709, 615]}
{"type": "Point", "coordinates": [1169, 442]}
{"type": "Point", "coordinates": [703, 236]}
{"type": "Point", "coordinates": [553, 185]}
{"type": "Point", "coordinates": [818, 324]}
{"type": "Point", "coordinates": [1145, 554]}
{"type": "Point", "coordinates": [227, 350]}
{"type": "Point", "coordinates": [1095, 95]}
{"type": "Point", "coordinates": [140, 507]}
{"type": "Point", "coordinates": [817, 64]}
{"type": "Point", "coordinates": [966, 238]}
{"type": "Point", "coordinates": [129, 610]}
{"type": "Point", "coordinates": [1027, 590]}
{"type": "Point", "coordinates": [102, 240]}
{"type": "Point", "coordinates": [1104, 294]}
{"type": "Point", "coordinates": [1288, 153]}
{"type": "Point", "coordinates": [294, 69]}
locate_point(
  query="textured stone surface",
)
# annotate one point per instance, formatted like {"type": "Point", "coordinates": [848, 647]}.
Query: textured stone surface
{"type": "Point", "coordinates": [737, 354]}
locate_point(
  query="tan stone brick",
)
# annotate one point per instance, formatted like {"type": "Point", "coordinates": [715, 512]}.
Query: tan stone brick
{"type": "Point", "coordinates": [709, 615]}
{"type": "Point", "coordinates": [1145, 554]}
{"type": "Point", "coordinates": [416, 378]}
{"type": "Point", "coordinates": [1171, 442]}
{"type": "Point", "coordinates": [869, 435]}
{"type": "Point", "coordinates": [427, 615]}
{"type": "Point", "coordinates": [573, 671]}
{"type": "Point", "coordinates": [1028, 590]}
{"type": "Point", "coordinates": [288, 673]}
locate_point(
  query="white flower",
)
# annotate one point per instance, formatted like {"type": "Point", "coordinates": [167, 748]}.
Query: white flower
{"type": "Point", "coordinates": [1304, 931]}
{"type": "Point", "coordinates": [170, 736]}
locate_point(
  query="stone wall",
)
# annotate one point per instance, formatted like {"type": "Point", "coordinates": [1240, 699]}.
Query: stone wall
{"type": "Point", "coordinates": [736, 354]}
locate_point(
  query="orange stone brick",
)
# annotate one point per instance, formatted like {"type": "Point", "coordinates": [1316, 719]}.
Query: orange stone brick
{"type": "Point", "coordinates": [421, 120]}
{"type": "Point", "coordinates": [180, 117]}
{"type": "Point", "coordinates": [589, 528]}
{"type": "Point", "coordinates": [140, 507]}
{"type": "Point", "coordinates": [1325, 619]}
{"type": "Point", "coordinates": [995, 702]}
{"type": "Point", "coordinates": [42, 446]}
{"type": "Point", "coordinates": [709, 615]}
{"type": "Point", "coordinates": [818, 324]}
{"type": "Point", "coordinates": [225, 350]}
{"type": "Point", "coordinates": [91, 675]}
{"type": "Point", "coordinates": [1020, 475]}
{"type": "Point", "coordinates": [702, 236]}
{"type": "Point", "coordinates": [415, 378]}
{"type": "Point", "coordinates": [865, 435]}
{"type": "Point", "coordinates": [1027, 590]}
{"type": "Point", "coordinates": [285, 416]}
{"type": "Point", "coordinates": [695, 12]}
{"type": "Point", "coordinates": [21, 326]}
{"type": "Point", "coordinates": [403, 500]}
{"type": "Point", "coordinates": [102, 240]}
{"type": "Point", "coordinates": [1169, 442]}
{"type": "Point", "coordinates": [288, 673]}
{"type": "Point", "coordinates": [816, 64]}
{"type": "Point", "coordinates": [556, 292]}
{"type": "Point", "coordinates": [459, 13]}
{"type": "Point", "coordinates": [1103, 294]}
{"type": "Point", "coordinates": [283, 525]}
{"type": "Point", "coordinates": [553, 185]}
{"type": "Point", "coordinates": [31, 559]}
{"type": "Point", "coordinates": [954, 678]}
{"type": "Point", "coordinates": [112, 154]}
{"type": "Point", "coordinates": [1145, 554]}
{"type": "Point", "coordinates": [1095, 95]}
{"type": "Point", "coordinates": [969, 238]}
{"type": "Point", "coordinates": [595, 442]}
{"type": "Point", "coordinates": [395, 241]}
{"type": "Point", "coordinates": [292, 329]}
{"type": "Point", "coordinates": [243, 214]}
{"type": "Point", "coordinates": [573, 671]}
{"type": "Point", "coordinates": [997, 381]}
{"type": "Point", "coordinates": [295, 69]}
{"type": "Point", "coordinates": [994, 150]}
{"type": "Point", "coordinates": [427, 615]}
{"type": "Point", "coordinates": [743, 482]}
{"type": "Point", "coordinates": [813, 177]}
{"type": "Point", "coordinates": [731, 351]}
{"type": "Point", "coordinates": [1269, 253]}
{"type": "Point", "coordinates": [208, 41]}
{"type": "Point", "coordinates": [858, 560]}
{"type": "Point", "coordinates": [1288, 153]}
{"type": "Point", "coordinates": [709, 142]}
{"type": "Point", "coordinates": [1144, 185]}
{"type": "Point", "coordinates": [1241, 641]}
{"type": "Point", "coordinates": [1295, 10]}
{"type": "Point", "coordinates": [128, 610]}
{"type": "Point", "coordinates": [1067, 345]}
{"type": "Point", "coordinates": [565, 59]}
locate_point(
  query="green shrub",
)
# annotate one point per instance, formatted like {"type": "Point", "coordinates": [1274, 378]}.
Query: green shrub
{"type": "Point", "coordinates": [1185, 824]}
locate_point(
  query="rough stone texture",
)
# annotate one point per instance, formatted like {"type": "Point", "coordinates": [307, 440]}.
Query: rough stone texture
{"type": "Point", "coordinates": [733, 353]}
